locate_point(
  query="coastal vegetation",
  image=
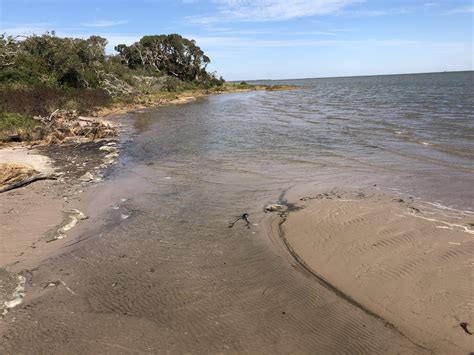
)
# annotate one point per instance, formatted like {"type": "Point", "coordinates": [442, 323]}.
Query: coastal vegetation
{"type": "Point", "coordinates": [16, 125]}
{"type": "Point", "coordinates": [38, 73]}
{"type": "Point", "coordinates": [164, 62]}
{"type": "Point", "coordinates": [42, 74]}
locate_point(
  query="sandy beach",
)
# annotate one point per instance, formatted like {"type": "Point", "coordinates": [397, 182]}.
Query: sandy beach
{"type": "Point", "coordinates": [139, 256]}
{"type": "Point", "coordinates": [155, 291]}
{"type": "Point", "coordinates": [236, 177]}
{"type": "Point", "coordinates": [407, 262]}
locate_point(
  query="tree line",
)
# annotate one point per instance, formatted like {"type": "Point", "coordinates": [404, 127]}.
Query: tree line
{"type": "Point", "coordinates": [159, 62]}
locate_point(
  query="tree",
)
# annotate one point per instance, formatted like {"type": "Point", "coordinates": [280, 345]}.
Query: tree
{"type": "Point", "coordinates": [92, 50]}
{"type": "Point", "coordinates": [83, 63]}
{"type": "Point", "coordinates": [8, 50]}
{"type": "Point", "coordinates": [71, 61]}
{"type": "Point", "coordinates": [171, 55]}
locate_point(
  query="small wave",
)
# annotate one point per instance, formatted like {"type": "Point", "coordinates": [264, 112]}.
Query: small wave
{"type": "Point", "coordinates": [448, 224]}
{"type": "Point", "coordinates": [16, 297]}
{"type": "Point", "coordinates": [451, 209]}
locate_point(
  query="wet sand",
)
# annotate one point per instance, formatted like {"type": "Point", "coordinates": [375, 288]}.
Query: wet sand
{"type": "Point", "coordinates": [410, 263]}
{"type": "Point", "coordinates": [135, 285]}
{"type": "Point", "coordinates": [159, 290]}
{"type": "Point", "coordinates": [37, 216]}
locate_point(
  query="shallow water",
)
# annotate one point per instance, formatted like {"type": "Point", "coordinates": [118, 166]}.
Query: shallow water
{"type": "Point", "coordinates": [413, 133]}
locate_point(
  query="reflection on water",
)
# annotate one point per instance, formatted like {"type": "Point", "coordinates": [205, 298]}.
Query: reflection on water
{"type": "Point", "coordinates": [412, 132]}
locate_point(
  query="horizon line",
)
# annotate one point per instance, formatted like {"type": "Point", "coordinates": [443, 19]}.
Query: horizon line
{"type": "Point", "coordinates": [356, 76]}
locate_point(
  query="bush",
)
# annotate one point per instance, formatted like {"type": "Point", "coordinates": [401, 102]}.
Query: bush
{"type": "Point", "coordinates": [10, 120]}
{"type": "Point", "coordinates": [14, 126]}
{"type": "Point", "coordinates": [42, 100]}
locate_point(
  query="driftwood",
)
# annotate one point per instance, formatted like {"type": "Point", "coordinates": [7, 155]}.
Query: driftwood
{"type": "Point", "coordinates": [62, 124]}
{"type": "Point", "coordinates": [26, 181]}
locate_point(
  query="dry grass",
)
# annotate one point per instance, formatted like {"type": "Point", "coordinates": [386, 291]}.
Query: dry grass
{"type": "Point", "coordinates": [52, 129]}
{"type": "Point", "coordinates": [67, 124]}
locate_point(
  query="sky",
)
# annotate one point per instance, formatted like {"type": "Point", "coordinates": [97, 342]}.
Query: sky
{"type": "Point", "coordinates": [273, 39]}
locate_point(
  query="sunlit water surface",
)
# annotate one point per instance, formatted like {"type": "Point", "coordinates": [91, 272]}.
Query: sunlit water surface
{"type": "Point", "coordinates": [409, 133]}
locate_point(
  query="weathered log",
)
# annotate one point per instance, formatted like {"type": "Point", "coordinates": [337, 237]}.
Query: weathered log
{"type": "Point", "coordinates": [26, 181]}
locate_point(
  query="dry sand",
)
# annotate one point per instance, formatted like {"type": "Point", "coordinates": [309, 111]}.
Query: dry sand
{"type": "Point", "coordinates": [22, 211]}
{"type": "Point", "coordinates": [411, 264]}
{"type": "Point", "coordinates": [24, 156]}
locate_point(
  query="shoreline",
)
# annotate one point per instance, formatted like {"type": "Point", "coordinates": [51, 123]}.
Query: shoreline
{"type": "Point", "coordinates": [152, 101]}
{"type": "Point", "coordinates": [333, 237]}
{"type": "Point", "coordinates": [323, 261]}
{"type": "Point", "coordinates": [78, 166]}
{"type": "Point", "coordinates": [42, 217]}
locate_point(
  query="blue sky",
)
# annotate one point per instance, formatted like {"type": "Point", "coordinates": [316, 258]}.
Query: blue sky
{"type": "Point", "coordinates": [258, 39]}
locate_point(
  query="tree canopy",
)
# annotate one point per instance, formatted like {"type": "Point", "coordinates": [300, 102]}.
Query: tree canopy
{"type": "Point", "coordinates": [83, 63]}
{"type": "Point", "coordinates": [168, 54]}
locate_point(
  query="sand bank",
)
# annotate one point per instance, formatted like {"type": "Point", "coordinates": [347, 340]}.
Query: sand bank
{"type": "Point", "coordinates": [409, 263]}
{"type": "Point", "coordinates": [168, 98]}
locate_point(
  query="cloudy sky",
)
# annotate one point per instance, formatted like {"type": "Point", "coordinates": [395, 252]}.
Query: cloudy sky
{"type": "Point", "coordinates": [258, 39]}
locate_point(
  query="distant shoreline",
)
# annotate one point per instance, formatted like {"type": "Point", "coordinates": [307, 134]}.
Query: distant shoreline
{"type": "Point", "coordinates": [150, 101]}
{"type": "Point", "coordinates": [351, 76]}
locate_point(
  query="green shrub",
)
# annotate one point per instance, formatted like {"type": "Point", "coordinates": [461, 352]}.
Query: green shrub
{"type": "Point", "coordinates": [10, 121]}
{"type": "Point", "coordinates": [14, 126]}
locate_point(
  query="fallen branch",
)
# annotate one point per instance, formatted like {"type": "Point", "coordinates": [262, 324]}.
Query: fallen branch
{"type": "Point", "coordinates": [53, 114]}
{"type": "Point", "coordinates": [62, 124]}
{"type": "Point", "coordinates": [26, 181]}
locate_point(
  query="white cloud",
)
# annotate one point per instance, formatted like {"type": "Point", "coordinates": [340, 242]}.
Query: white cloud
{"type": "Point", "coordinates": [104, 23]}
{"type": "Point", "coordinates": [281, 32]}
{"type": "Point", "coordinates": [373, 13]}
{"type": "Point", "coordinates": [271, 10]}
{"type": "Point", "coordinates": [27, 29]}
{"type": "Point", "coordinates": [218, 42]}
{"type": "Point", "coordinates": [113, 40]}
{"type": "Point", "coordinates": [204, 20]}
{"type": "Point", "coordinates": [462, 10]}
